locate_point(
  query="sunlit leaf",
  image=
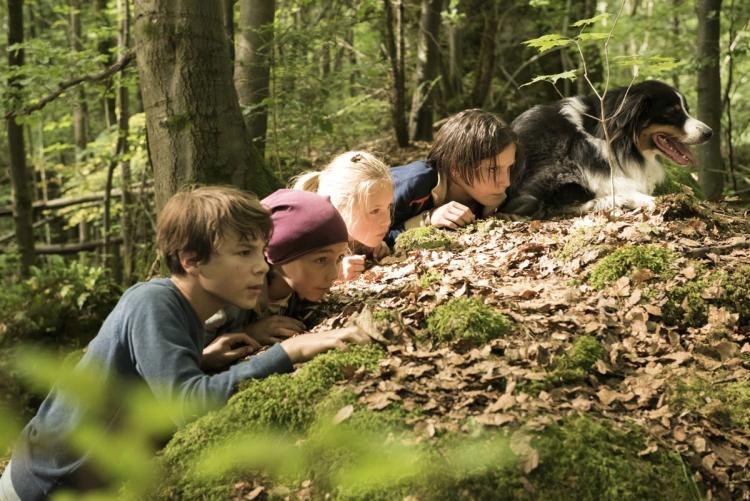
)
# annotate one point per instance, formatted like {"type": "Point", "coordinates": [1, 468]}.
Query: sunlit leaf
{"type": "Point", "coordinates": [592, 36]}
{"type": "Point", "coordinates": [547, 42]}
{"type": "Point", "coordinates": [569, 75]}
{"type": "Point", "coordinates": [591, 20]}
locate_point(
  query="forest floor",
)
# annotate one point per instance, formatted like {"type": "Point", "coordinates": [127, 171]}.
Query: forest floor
{"type": "Point", "coordinates": [669, 380]}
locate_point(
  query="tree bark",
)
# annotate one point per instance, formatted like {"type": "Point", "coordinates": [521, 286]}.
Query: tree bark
{"type": "Point", "coordinates": [193, 119]}
{"type": "Point", "coordinates": [19, 174]}
{"type": "Point", "coordinates": [80, 110]}
{"type": "Point", "coordinates": [105, 48]}
{"type": "Point", "coordinates": [128, 245]}
{"type": "Point", "coordinates": [486, 67]}
{"type": "Point", "coordinates": [428, 54]}
{"type": "Point", "coordinates": [711, 172]}
{"type": "Point", "coordinates": [229, 27]}
{"type": "Point", "coordinates": [394, 41]}
{"type": "Point", "coordinates": [252, 68]}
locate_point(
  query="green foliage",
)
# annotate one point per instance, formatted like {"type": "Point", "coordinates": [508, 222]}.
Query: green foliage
{"type": "Point", "coordinates": [426, 237]}
{"type": "Point", "coordinates": [678, 180]}
{"type": "Point", "coordinates": [578, 240]}
{"type": "Point", "coordinates": [726, 402]}
{"type": "Point", "coordinates": [64, 301]}
{"type": "Point", "coordinates": [467, 320]}
{"type": "Point", "coordinates": [688, 304]}
{"type": "Point", "coordinates": [629, 258]}
{"type": "Point", "coordinates": [382, 315]}
{"type": "Point", "coordinates": [578, 360]}
{"type": "Point", "coordinates": [428, 278]}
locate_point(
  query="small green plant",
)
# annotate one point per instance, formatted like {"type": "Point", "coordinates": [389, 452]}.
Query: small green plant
{"type": "Point", "coordinates": [676, 181]}
{"type": "Point", "coordinates": [578, 240]}
{"type": "Point", "coordinates": [429, 278]}
{"type": "Point", "coordinates": [578, 360]}
{"type": "Point", "coordinates": [467, 319]}
{"type": "Point", "coordinates": [382, 315]}
{"type": "Point", "coordinates": [628, 258]}
{"type": "Point", "coordinates": [427, 237]}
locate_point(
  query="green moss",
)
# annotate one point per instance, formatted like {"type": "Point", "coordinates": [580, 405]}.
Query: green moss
{"type": "Point", "coordinates": [467, 319]}
{"type": "Point", "coordinates": [382, 315]}
{"type": "Point", "coordinates": [628, 258]}
{"type": "Point", "coordinates": [686, 306]}
{"type": "Point", "coordinates": [726, 402]}
{"type": "Point", "coordinates": [577, 240]}
{"type": "Point", "coordinates": [429, 278]}
{"type": "Point", "coordinates": [177, 122]}
{"type": "Point", "coordinates": [285, 401]}
{"type": "Point", "coordinates": [428, 237]}
{"type": "Point", "coordinates": [676, 181]}
{"type": "Point", "coordinates": [578, 360]}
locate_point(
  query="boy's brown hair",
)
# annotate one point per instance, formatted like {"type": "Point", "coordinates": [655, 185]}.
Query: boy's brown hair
{"type": "Point", "coordinates": [196, 220]}
{"type": "Point", "coordinates": [466, 139]}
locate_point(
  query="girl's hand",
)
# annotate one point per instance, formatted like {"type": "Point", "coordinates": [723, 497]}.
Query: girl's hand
{"type": "Point", "coordinates": [352, 267]}
{"type": "Point", "coordinates": [274, 329]}
{"type": "Point", "coordinates": [227, 349]}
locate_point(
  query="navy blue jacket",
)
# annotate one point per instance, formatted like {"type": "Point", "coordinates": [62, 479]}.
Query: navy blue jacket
{"type": "Point", "coordinates": [412, 194]}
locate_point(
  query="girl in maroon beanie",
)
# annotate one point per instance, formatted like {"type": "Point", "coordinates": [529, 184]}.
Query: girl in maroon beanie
{"type": "Point", "coordinates": [308, 243]}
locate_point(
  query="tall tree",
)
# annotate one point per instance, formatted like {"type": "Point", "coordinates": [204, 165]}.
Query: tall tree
{"type": "Point", "coordinates": [252, 66]}
{"type": "Point", "coordinates": [19, 175]}
{"type": "Point", "coordinates": [193, 119]}
{"type": "Point", "coordinates": [486, 63]}
{"type": "Point", "coordinates": [711, 172]}
{"type": "Point", "coordinates": [80, 110]}
{"type": "Point", "coordinates": [105, 46]}
{"type": "Point", "coordinates": [394, 42]}
{"type": "Point", "coordinates": [128, 245]}
{"type": "Point", "coordinates": [428, 59]}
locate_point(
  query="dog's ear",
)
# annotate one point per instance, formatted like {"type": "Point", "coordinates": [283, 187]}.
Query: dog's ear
{"type": "Point", "coordinates": [625, 124]}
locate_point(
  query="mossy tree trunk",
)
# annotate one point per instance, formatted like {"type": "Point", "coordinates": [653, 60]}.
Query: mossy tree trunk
{"type": "Point", "coordinates": [252, 66]}
{"type": "Point", "coordinates": [19, 174]}
{"type": "Point", "coordinates": [193, 119]}
{"type": "Point", "coordinates": [711, 172]}
{"type": "Point", "coordinates": [428, 54]}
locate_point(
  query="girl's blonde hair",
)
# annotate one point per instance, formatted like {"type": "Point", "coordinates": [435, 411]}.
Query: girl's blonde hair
{"type": "Point", "coordinates": [348, 180]}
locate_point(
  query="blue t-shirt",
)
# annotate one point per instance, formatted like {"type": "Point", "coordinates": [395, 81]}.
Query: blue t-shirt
{"type": "Point", "coordinates": [152, 335]}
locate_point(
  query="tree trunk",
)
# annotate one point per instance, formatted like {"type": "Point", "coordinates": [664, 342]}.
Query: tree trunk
{"type": "Point", "coordinates": [193, 119]}
{"type": "Point", "coordinates": [19, 175]}
{"type": "Point", "coordinates": [428, 54]}
{"type": "Point", "coordinates": [105, 48]}
{"type": "Point", "coordinates": [711, 172]}
{"type": "Point", "coordinates": [128, 246]}
{"type": "Point", "coordinates": [394, 41]}
{"type": "Point", "coordinates": [253, 66]}
{"type": "Point", "coordinates": [486, 65]}
{"type": "Point", "coordinates": [229, 27]}
{"type": "Point", "coordinates": [80, 110]}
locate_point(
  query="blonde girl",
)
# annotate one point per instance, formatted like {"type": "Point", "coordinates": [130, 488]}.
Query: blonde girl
{"type": "Point", "coordinates": [361, 188]}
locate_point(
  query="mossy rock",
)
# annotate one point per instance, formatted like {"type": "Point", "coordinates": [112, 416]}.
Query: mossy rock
{"type": "Point", "coordinates": [686, 305]}
{"type": "Point", "coordinates": [725, 402]}
{"type": "Point", "coordinates": [467, 320]}
{"type": "Point", "coordinates": [286, 401]}
{"type": "Point", "coordinates": [678, 180]}
{"type": "Point", "coordinates": [626, 259]}
{"type": "Point", "coordinates": [427, 237]}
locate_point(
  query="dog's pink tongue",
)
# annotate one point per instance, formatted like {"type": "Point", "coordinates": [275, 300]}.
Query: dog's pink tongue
{"type": "Point", "coordinates": [676, 151]}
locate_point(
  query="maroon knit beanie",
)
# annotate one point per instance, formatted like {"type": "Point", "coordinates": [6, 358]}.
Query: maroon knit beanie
{"type": "Point", "coordinates": [302, 222]}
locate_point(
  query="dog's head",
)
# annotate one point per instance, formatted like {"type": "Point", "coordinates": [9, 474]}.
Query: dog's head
{"type": "Point", "coordinates": [656, 118]}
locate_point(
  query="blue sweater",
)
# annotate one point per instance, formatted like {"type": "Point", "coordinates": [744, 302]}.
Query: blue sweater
{"type": "Point", "coordinates": [152, 335]}
{"type": "Point", "coordinates": [412, 194]}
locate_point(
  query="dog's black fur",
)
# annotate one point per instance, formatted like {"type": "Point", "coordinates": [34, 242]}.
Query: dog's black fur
{"type": "Point", "coordinates": [564, 167]}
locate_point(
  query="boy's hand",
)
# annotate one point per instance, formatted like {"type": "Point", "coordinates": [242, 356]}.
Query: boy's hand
{"type": "Point", "coordinates": [352, 267]}
{"type": "Point", "coordinates": [274, 329]}
{"type": "Point", "coordinates": [381, 250]}
{"type": "Point", "coordinates": [305, 346]}
{"type": "Point", "coordinates": [451, 215]}
{"type": "Point", "coordinates": [227, 349]}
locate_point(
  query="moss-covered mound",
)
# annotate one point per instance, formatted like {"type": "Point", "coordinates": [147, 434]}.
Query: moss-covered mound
{"type": "Point", "coordinates": [578, 360]}
{"type": "Point", "coordinates": [676, 181]}
{"type": "Point", "coordinates": [726, 402]}
{"type": "Point", "coordinates": [285, 402]}
{"type": "Point", "coordinates": [428, 237]}
{"type": "Point", "coordinates": [628, 258]}
{"type": "Point", "coordinates": [467, 320]}
{"type": "Point", "coordinates": [577, 240]}
{"type": "Point", "coordinates": [687, 305]}
{"type": "Point", "coordinates": [428, 278]}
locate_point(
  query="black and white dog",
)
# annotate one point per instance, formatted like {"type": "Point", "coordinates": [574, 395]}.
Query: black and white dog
{"type": "Point", "coordinates": [565, 169]}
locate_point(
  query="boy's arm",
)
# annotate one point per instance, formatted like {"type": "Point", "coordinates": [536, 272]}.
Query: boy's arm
{"type": "Point", "coordinates": [166, 344]}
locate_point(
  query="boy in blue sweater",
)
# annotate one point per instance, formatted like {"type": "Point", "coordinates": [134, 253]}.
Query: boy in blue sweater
{"type": "Point", "coordinates": [212, 241]}
{"type": "Point", "coordinates": [464, 177]}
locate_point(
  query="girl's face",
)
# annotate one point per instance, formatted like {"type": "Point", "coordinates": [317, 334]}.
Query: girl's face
{"type": "Point", "coordinates": [372, 219]}
{"type": "Point", "coordinates": [311, 276]}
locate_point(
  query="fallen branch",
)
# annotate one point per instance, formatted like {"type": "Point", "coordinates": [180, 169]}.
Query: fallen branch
{"type": "Point", "coordinates": [716, 249]}
{"type": "Point", "coordinates": [59, 203]}
{"type": "Point", "coordinates": [63, 86]}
